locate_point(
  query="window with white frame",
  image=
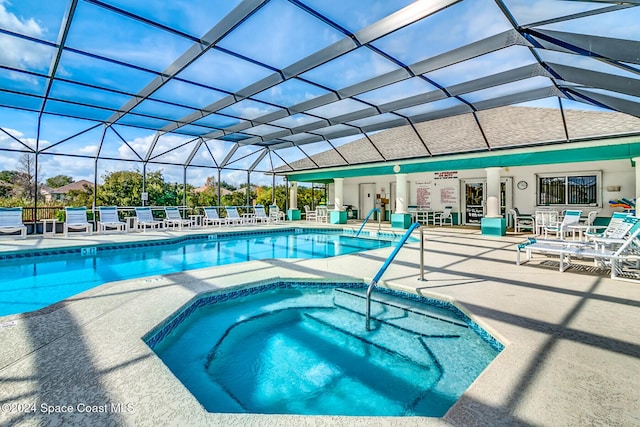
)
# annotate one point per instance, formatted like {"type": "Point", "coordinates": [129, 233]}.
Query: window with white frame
{"type": "Point", "coordinates": [575, 189]}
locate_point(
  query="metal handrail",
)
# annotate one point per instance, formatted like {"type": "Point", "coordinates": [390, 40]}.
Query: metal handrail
{"type": "Point", "coordinates": [367, 219]}
{"type": "Point", "coordinates": [384, 267]}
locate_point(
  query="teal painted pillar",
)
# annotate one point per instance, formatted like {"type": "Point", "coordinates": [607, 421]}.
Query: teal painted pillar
{"type": "Point", "coordinates": [293, 214]}
{"type": "Point", "coordinates": [493, 226]}
{"type": "Point", "coordinates": [337, 217]}
{"type": "Point", "coordinates": [401, 220]}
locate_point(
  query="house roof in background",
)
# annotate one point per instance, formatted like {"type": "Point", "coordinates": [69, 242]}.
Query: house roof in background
{"type": "Point", "coordinates": [78, 185]}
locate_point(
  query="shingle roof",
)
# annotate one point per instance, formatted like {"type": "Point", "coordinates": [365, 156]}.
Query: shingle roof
{"type": "Point", "coordinates": [495, 128]}
{"type": "Point", "coordinates": [78, 185]}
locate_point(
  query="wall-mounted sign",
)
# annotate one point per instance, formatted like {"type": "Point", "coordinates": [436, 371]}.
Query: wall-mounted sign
{"type": "Point", "coordinates": [445, 175]}
{"type": "Point", "coordinates": [423, 194]}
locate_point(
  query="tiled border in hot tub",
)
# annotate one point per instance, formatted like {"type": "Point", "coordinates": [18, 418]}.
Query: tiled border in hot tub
{"type": "Point", "coordinates": [157, 334]}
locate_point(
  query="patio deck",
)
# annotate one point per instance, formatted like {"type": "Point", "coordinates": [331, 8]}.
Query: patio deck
{"type": "Point", "coordinates": [571, 357]}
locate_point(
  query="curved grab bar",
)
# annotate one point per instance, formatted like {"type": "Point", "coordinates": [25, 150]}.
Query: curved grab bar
{"type": "Point", "coordinates": [367, 219]}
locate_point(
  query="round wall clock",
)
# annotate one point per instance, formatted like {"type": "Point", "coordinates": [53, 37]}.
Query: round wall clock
{"type": "Point", "coordinates": [522, 185]}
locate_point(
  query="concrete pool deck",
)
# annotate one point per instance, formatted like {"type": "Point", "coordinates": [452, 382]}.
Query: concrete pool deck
{"type": "Point", "coordinates": [571, 357]}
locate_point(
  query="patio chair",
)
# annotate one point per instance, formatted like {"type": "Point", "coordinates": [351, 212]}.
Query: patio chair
{"type": "Point", "coordinates": [233, 217]}
{"type": "Point", "coordinates": [561, 228]}
{"type": "Point", "coordinates": [173, 218]}
{"type": "Point", "coordinates": [521, 222]}
{"type": "Point", "coordinates": [260, 215]}
{"type": "Point", "coordinates": [322, 214]}
{"type": "Point", "coordinates": [309, 214]}
{"type": "Point", "coordinates": [11, 222]}
{"type": "Point", "coordinates": [109, 220]}
{"type": "Point", "coordinates": [543, 218]}
{"type": "Point", "coordinates": [274, 213]}
{"type": "Point", "coordinates": [444, 216]}
{"type": "Point", "coordinates": [144, 219]}
{"type": "Point", "coordinates": [76, 219]}
{"type": "Point", "coordinates": [591, 218]}
{"type": "Point", "coordinates": [211, 217]}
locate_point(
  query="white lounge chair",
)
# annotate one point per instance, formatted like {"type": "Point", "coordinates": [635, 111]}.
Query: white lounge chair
{"type": "Point", "coordinates": [211, 217]}
{"type": "Point", "coordinates": [76, 219]}
{"type": "Point", "coordinates": [608, 249]}
{"type": "Point", "coordinates": [144, 219]}
{"type": "Point", "coordinates": [173, 218]}
{"type": "Point", "coordinates": [109, 220]}
{"type": "Point", "coordinates": [11, 222]}
{"type": "Point", "coordinates": [233, 217]}
{"type": "Point", "coordinates": [616, 233]}
{"type": "Point", "coordinates": [613, 229]}
{"type": "Point", "coordinates": [260, 215]}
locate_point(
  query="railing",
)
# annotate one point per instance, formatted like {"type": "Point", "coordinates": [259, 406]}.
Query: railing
{"type": "Point", "coordinates": [367, 219]}
{"type": "Point", "coordinates": [44, 212]}
{"type": "Point", "coordinates": [384, 267]}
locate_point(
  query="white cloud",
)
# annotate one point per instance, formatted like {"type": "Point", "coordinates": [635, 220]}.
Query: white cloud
{"type": "Point", "coordinates": [12, 22]}
{"type": "Point", "coordinates": [139, 144]}
{"type": "Point", "coordinates": [7, 141]}
{"type": "Point", "coordinates": [21, 53]}
{"type": "Point", "coordinates": [75, 167]}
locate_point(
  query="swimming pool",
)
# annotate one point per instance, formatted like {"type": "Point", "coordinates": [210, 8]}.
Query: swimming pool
{"type": "Point", "coordinates": [32, 280]}
{"type": "Point", "coordinates": [302, 348]}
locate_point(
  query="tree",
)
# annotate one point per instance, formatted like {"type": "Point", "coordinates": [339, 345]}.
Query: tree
{"type": "Point", "coordinates": [25, 181]}
{"type": "Point", "coordinates": [264, 197]}
{"type": "Point", "coordinates": [206, 197]}
{"type": "Point", "coordinates": [83, 197]}
{"type": "Point", "coordinates": [230, 187]}
{"type": "Point", "coordinates": [121, 188]}
{"type": "Point", "coordinates": [235, 198]}
{"type": "Point", "coordinates": [124, 188]}
{"type": "Point", "coordinates": [210, 182]}
{"type": "Point", "coordinates": [59, 181]}
{"type": "Point", "coordinates": [7, 179]}
{"type": "Point", "coordinates": [8, 176]}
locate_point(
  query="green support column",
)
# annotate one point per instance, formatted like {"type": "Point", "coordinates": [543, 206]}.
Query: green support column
{"type": "Point", "coordinates": [337, 217]}
{"type": "Point", "coordinates": [293, 214]}
{"type": "Point", "coordinates": [493, 226]}
{"type": "Point", "coordinates": [400, 220]}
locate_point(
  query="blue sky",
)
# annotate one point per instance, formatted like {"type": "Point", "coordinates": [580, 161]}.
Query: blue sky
{"type": "Point", "coordinates": [277, 36]}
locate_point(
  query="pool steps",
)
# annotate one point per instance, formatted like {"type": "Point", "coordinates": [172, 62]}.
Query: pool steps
{"type": "Point", "coordinates": [388, 305]}
{"type": "Point", "coordinates": [350, 323]}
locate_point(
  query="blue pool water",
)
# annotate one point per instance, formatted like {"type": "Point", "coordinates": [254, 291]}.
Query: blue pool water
{"type": "Point", "coordinates": [33, 282]}
{"type": "Point", "coordinates": [303, 349]}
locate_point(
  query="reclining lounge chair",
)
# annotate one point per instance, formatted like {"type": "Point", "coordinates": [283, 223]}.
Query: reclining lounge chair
{"type": "Point", "coordinates": [76, 219]}
{"type": "Point", "coordinates": [144, 218]}
{"type": "Point", "coordinates": [211, 217]}
{"type": "Point", "coordinates": [173, 218]}
{"type": "Point", "coordinates": [11, 222]}
{"type": "Point", "coordinates": [109, 220]}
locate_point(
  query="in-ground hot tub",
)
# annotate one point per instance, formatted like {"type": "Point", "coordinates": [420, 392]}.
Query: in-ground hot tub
{"type": "Point", "coordinates": [302, 348]}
